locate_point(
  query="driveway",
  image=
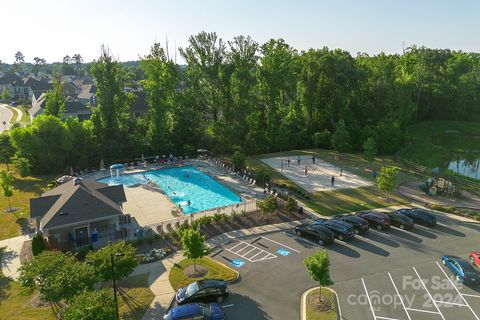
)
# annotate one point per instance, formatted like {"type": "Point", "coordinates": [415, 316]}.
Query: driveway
{"type": "Point", "coordinates": [367, 271]}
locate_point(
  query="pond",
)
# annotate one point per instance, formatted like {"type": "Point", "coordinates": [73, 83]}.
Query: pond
{"type": "Point", "coordinates": [469, 168]}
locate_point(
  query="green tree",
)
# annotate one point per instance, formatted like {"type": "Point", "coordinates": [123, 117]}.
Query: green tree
{"type": "Point", "coordinates": [110, 117]}
{"type": "Point", "coordinates": [7, 150]}
{"type": "Point", "coordinates": [57, 276]}
{"type": "Point", "coordinates": [268, 205]}
{"type": "Point", "coordinates": [160, 85]}
{"type": "Point", "coordinates": [238, 160]}
{"type": "Point", "coordinates": [91, 305]}
{"type": "Point", "coordinates": [5, 94]}
{"type": "Point", "coordinates": [193, 244]}
{"type": "Point", "coordinates": [341, 138]}
{"type": "Point", "coordinates": [6, 182]}
{"type": "Point", "coordinates": [45, 143]}
{"type": "Point", "coordinates": [370, 149]}
{"type": "Point", "coordinates": [23, 167]}
{"type": "Point", "coordinates": [125, 260]}
{"type": "Point", "coordinates": [318, 266]}
{"type": "Point", "coordinates": [55, 99]}
{"type": "Point", "coordinates": [386, 179]}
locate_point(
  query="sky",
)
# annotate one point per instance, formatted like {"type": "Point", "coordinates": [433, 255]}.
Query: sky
{"type": "Point", "coordinates": [52, 29]}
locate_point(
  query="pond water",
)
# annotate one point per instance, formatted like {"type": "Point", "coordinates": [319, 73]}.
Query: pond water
{"type": "Point", "coordinates": [467, 168]}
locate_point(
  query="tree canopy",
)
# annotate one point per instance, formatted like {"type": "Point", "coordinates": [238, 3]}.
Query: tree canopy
{"type": "Point", "coordinates": [258, 98]}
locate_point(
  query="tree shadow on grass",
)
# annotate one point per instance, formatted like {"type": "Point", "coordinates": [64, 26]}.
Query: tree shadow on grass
{"type": "Point", "coordinates": [5, 283]}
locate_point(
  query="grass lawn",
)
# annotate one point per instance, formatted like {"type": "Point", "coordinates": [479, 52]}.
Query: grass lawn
{"type": "Point", "coordinates": [348, 200]}
{"type": "Point", "coordinates": [23, 190]}
{"type": "Point", "coordinates": [138, 299]}
{"type": "Point", "coordinates": [15, 304]}
{"type": "Point", "coordinates": [25, 114]}
{"type": "Point", "coordinates": [13, 119]}
{"type": "Point", "coordinates": [345, 200]}
{"type": "Point", "coordinates": [215, 271]}
{"type": "Point", "coordinates": [436, 143]}
{"type": "Point", "coordinates": [312, 313]}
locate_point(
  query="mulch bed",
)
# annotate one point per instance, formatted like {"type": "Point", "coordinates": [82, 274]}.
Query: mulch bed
{"type": "Point", "coordinates": [323, 305]}
{"type": "Point", "coordinates": [249, 220]}
{"type": "Point", "coordinates": [190, 271]}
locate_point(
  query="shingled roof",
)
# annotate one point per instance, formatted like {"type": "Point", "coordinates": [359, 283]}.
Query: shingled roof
{"type": "Point", "coordinates": [77, 201]}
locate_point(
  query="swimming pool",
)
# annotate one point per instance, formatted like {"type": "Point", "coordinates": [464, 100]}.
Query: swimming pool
{"type": "Point", "coordinates": [183, 184]}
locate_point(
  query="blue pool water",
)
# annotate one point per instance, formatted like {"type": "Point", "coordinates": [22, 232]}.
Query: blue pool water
{"type": "Point", "coordinates": [203, 191]}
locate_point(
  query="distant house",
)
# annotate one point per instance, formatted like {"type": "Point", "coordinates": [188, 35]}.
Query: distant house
{"type": "Point", "coordinates": [24, 88]}
{"type": "Point", "coordinates": [70, 89]}
{"type": "Point", "coordinates": [73, 108]}
{"type": "Point", "coordinates": [6, 82]}
{"type": "Point", "coordinates": [72, 214]}
{"type": "Point", "coordinates": [87, 94]}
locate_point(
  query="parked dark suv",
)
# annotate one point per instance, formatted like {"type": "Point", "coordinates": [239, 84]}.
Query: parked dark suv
{"type": "Point", "coordinates": [376, 219]}
{"type": "Point", "coordinates": [359, 224]}
{"type": "Point", "coordinates": [419, 216]}
{"type": "Point", "coordinates": [320, 233]}
{"type": "Point", "coordinates": [202, 291]}
{"type": "Point", "coordinates": [401, 221]}
{"type": "Point", "coordinates": [342, 230]}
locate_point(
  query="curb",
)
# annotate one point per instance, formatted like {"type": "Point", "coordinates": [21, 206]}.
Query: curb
{"type": "Point", "coordinates": [303, 304]}
{"type": "Point", "coordinates": [214, 248]}
{"type": "Point", "coordinates": [236, 280]}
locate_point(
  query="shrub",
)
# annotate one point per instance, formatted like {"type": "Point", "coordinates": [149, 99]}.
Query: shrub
{"type": "Point", "coordinates": [82, 252]}
{"type": "Point", "coordinates": [23, 167]}
{"type": "Point", "coordinates": [38, 246]}
{"type": "Point", "coordinates": [238, 160]}
{"type": "Point", "coordinates": [262, 176]}
{"type": "Point", "coordinates": [217, 217]}
{"type": "Point", "coordinates": [268, 205]}
{"type": "Point", "coordinates": [291, 204]}
{"type": "Point", "coordinates": [203, 221]}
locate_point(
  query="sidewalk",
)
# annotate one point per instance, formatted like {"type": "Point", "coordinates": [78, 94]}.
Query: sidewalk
{"type": "Point", "coordinates": [10, 262]}
{"type": "Point", "coordinates": [159, 284]}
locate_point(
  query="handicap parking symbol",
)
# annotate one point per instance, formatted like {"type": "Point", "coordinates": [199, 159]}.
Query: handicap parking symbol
{"type": "Point", "coordinates": [238, 262]}
{"type": "Point", "coordinates": [283, 252]}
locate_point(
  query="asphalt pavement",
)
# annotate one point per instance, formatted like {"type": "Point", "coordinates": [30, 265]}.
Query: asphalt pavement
{"type": "Point", "coordinates": [382, 275]}
{"type": "Point", "coordinates": [5, 115]}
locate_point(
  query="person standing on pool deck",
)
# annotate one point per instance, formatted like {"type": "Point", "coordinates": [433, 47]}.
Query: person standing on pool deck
{"type": "Point", "coordinates": [306, 170]}
{"type": "Point", "coordinates": [298, 160]}
{"type": "Point", "coordinates": [341, 171]}
{"type": "Point", "coordinates": [332, 181]}
{"type": "Point", "coordinates": [313, 159]}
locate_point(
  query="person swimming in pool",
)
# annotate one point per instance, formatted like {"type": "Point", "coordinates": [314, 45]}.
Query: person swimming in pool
{"type": "Point", "coordinates": [188, 202]}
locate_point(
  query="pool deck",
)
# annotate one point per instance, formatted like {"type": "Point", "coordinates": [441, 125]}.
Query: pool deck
{"type": "Point", "coordinates": [149, 206]}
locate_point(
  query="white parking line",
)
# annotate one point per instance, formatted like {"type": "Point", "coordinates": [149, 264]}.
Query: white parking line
{"type": "Point", "coordinates": [426, 311]}
{"type": "Point", "coordinates": [283, 245]}
{"type": "Point", "coordinates": [455, 287]}
{"type": "Point", "coordinates": [385, 318]}
{"type": "Point", "coordinates": [452, 303]}
{"type": "Point", "coordinates": [368, 298]}
{"type": "Point", "coordinates": [227, 305]}
{"type": "Point", "coordinates": [428, 292]}
{"type": "Point", "coordinates": [470, 295]}
{"type": "Point", "coordinates": [399, 296]}
{"type": "Point", "coordinates": [266, 255]}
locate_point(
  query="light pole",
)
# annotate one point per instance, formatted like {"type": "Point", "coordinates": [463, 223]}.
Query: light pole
{"type": "Point", "coordinates": [112, 255]}
{"type": "Point", "coordinates": [4, 125]}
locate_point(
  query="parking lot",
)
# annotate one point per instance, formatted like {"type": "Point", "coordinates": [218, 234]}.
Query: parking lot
{"type": "Point", "coordinates": [391, 275]}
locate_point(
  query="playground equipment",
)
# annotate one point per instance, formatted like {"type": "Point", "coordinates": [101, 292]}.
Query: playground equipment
{"type": "Point", "coordinates": [440, 186]}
